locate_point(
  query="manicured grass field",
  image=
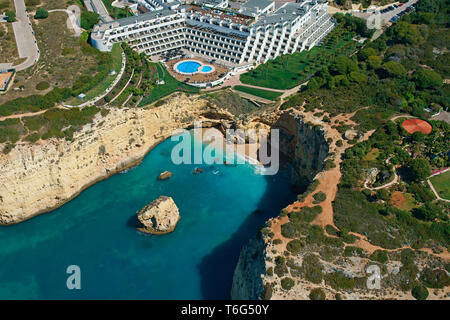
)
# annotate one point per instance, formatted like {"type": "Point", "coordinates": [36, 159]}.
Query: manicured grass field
{"type": "Point", "coordinates": [170, 85]}
{"type": "Point", "coordinates": [265, 94]}
{"type": "Point", "coordinates": [288, 71]}
{"type": "Point", "coordinates": [441, 183]}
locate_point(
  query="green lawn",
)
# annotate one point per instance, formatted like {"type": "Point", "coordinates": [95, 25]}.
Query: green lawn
{"type": "Point", "coordinates": [288, 71]}
{"type": "Point", "coordinates": [170, 85]}
{"type": "Point", "coordinates": [265, 94]}
{"type": "Point", "coordinates": [116, 54]}
{"type": "Point", "coordinates": [441, 183]}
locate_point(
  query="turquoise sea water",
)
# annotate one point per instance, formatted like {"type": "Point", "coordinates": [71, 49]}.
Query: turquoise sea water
{"type": "Point", "coordinates": [96, 231]}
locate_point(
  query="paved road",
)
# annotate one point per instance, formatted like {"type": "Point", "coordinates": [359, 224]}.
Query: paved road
{"type": "Point", "coordinates": [99, 7]}
{"type": "Point", "coordinates": [25, 39]}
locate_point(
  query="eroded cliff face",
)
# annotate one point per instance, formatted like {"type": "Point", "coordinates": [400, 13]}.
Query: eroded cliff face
{"type": "Point", "coordinates": [304, 144]}
{"type": "Point", "coordinates": [40, 177]}
{"type": "Point", "coordinates": [307, 148]}
{"type": "Point", "coordinates": [248, 275]}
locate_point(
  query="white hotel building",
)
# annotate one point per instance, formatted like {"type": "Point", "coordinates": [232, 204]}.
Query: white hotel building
{"type": "Point", "coordinates": [254, 33]}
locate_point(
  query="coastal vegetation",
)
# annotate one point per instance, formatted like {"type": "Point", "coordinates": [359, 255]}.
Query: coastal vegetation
{"type": "Point", "coordinates": [265, 94]}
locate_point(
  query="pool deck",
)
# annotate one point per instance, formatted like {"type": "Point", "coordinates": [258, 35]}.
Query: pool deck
{"type": "Point", "coordinates": [199, 77]}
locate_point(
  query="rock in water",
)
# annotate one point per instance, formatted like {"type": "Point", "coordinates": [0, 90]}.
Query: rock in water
{"type": "Point", "coordinates": [159, 217]}
{"type": "Point", "coordinates": [165, 175]}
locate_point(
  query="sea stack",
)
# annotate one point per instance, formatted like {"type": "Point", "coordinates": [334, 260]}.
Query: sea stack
{"type": "Point", "coordinates": [165, 175]}
{"type": "Point", "coordinates": [159, 217]}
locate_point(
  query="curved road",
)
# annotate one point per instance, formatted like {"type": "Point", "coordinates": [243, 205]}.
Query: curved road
{"type": "Point", "coordinates": [75, 24]}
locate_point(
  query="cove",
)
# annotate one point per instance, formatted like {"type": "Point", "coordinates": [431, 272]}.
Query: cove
{"type": "Point", "coordinates": [221, 209]}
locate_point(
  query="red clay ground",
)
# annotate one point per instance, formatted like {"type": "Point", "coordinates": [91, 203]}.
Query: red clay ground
{"type": "Point", "coordinates": [414, 125]}
{"type": "Point", "coordinates": [398, 199]}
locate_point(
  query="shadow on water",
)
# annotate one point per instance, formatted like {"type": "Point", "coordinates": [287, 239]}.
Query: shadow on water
{"type": "Point", "coordinates": [217, 268]}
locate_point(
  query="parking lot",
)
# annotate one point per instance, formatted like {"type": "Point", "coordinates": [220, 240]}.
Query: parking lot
{"type": "Point", "coordinates": [387, 14]}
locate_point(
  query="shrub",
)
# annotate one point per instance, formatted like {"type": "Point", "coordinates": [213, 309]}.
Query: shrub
{"type": "Point", "coordinates": [419, 292]}
{"type": "Point", "coordinates": [380, 256]}
{"type": "Point", "coordinates": [277, 241]}
{"type": "Point", "coordinates": [339, 281]}
{"type": "Point", "coordinates": [312, 268]}
{"type": "Point", "coordinates": [280, 266]}
{"type": "Point", "coordinates": [331, 230]}
{"type": "Point", "coordinates": [295, 246]}
{"type": "Point", "coordinates": [41, 13]}
{"type": "Point", "coordinates": [435, 278]}
{"type": "Point", "coordinates": [339, 143]}
{"type": "Point", "coordinates": [42, 86]}
{"type": "Point", "coordinates": [89, 19]}
{"type": "Point", "coordinates": [319, 197]}
{"type": "Point", "coordinates": [351, 251]}
{"type": "Point", "coordinates": [317, 294]}
{"type": "Point", "coordinates": [287, 283]}
{"type": "Point", "coordinates": [10, 16]}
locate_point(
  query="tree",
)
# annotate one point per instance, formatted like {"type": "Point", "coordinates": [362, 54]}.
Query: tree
{"type": "Point", "coordinates": [374, 62]}
{"type": "Point", "coordinates": [395, 69]}
{"type": "Point", "coordinates": [364, 54]}
{"type": "Point", "coordinates": [89, 19]}
{"type": "Point", "coordinates": [429, 211]}
{"type": "Point", "coordinates": [10, 16]}
{"type": "Point", "coordinates": [426, 79]}
{"type": "Point", "coordinates": [419, 292]}
{"type": "Point", "coordinates": [317, 294]}
{"type": "Point", "coordinates": [41, 13]}
{"type": "Point", "coordinates": [407, 33]}
{"type": "Point", "coordinates": [287, 283]}
{"type": "Point", "coordinates": [419, 169]}
{"type": "Point", "coordinates": [418, 136]}
{"type": "Point", "coordinates": [343, 65]}
{"type": "Point", "coordinates": [358, 77]}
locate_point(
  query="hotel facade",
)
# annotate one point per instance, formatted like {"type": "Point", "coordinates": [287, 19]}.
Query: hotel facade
{"type": "Point", "coordinates": [254, 33]}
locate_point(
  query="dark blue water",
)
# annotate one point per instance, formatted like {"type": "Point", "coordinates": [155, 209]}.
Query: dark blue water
{"type": "Point", "coordinates": [96, 231]}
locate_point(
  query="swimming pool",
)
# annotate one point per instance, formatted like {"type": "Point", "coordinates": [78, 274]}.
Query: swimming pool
{"type": "Point", "coordinates": [188, 66]}
{"type": "Point", "coordinates": [192, 67]}
{"type": "Point", "coordinates": [206, 69]}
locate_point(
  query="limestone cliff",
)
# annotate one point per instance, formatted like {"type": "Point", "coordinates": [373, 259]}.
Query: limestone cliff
{"type": "Point", "coordinates": [40, 177]}
{"type": "Point", "coordinates": [304, 144]}
{"type": "Point", "coordinates": [307, 148]}
{"type": "Point", "coordinates": [248, 275]}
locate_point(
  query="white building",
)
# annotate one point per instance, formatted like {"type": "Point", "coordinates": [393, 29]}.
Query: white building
{"type": "Point", "coordinates": [256, 33]}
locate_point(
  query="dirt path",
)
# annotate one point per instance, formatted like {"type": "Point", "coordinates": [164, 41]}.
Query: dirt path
{"type": "Point", "coordinates": [29, 114]}
{"type": "Point", "coordinates": [328, 179]}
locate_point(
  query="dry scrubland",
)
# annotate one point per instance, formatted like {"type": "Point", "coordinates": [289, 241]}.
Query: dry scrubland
{"type": "Point", "coordinates": [62, 60]}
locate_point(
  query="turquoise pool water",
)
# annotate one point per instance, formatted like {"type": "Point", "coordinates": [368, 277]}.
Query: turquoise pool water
{"type": "Point", "coordinates": [206, 69]}
{"type": "Point", "coordinates": [188, 67]}
{"type": "Point", "coordinates": [96, 231]}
